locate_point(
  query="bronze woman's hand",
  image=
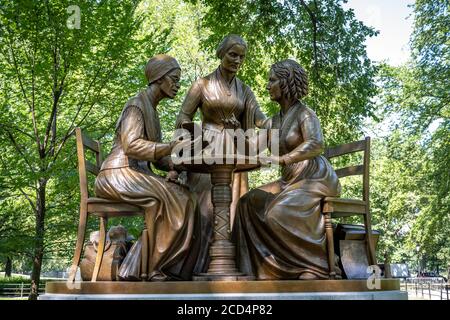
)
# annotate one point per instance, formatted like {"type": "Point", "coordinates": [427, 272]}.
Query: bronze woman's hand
{"type": "Point", "coordinates": [271, 160]}
{"type": "Point", "coordinates": [231, 122]}
{"type": "Point", "coordinates": [282, 160]}
{"type": "Point", "coordinates": [277, 160]}
{"type": "Point", "coordinates": [172, 176]}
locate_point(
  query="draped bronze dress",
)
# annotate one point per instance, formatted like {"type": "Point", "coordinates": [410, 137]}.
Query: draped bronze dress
{"type": "Point", "coordinates": [279, 230]}
{"type": "Point", "coordinates": [170, 209]}
{"type": "Point", "coordinates": [218, 102]}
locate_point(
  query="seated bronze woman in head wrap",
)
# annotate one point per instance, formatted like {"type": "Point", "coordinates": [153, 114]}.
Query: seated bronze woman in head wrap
{"type": "Point", "coordinates": [126, 176]}
{"type": "Point", "coordinates": [279, 229]}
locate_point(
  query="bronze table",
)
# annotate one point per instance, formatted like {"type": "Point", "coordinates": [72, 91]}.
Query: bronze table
{"type": "Point", "coordinates": [222, 266]}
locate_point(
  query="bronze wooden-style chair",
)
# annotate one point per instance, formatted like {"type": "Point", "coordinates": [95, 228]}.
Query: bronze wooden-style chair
{"type": "Point", "coordinates": [102, 208]}
{"type": "Point", "coordinates": [340, 207]}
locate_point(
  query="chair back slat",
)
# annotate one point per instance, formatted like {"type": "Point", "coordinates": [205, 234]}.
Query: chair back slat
{"type": "Point", "coordinates": [350, 171]}
{"type": "Point", "coordinates": [363, 169]}
{"type": "Point", "coordinates": [92, 168]}
{"type": "Point", "coordinates": [345, 149]}
{"type": "Point", "coordinates": [89, 143]}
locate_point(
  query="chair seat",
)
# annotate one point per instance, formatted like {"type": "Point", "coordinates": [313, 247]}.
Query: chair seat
{"type": "Point", "coordinates": [341, 207]}
{"type": "Point", "coordinates": [110, 208]}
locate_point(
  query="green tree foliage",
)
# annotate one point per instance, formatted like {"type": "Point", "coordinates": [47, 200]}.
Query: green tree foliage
{"type": "Point", "coordinates": [430, 48]}
{"type": "Point", "coordinates": [322, 36]}
{"type": "Point", "coordinates": [55, 78]}
{"type": "Point", "coordinates": [395, 201]}
{"type": "Point", "coordinates": [415, 189]}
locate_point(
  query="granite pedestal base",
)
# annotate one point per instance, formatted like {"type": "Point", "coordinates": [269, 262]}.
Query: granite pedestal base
{"type": "Point", "coordinates": [388, 289]}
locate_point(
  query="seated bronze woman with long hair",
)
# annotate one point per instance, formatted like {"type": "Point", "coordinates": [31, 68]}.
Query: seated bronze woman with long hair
{"type": "Point", "coordinates": [279, 229]}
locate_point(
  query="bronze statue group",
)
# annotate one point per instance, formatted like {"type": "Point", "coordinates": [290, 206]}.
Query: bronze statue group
{"type": "Point", "coordinates": [278, 228]}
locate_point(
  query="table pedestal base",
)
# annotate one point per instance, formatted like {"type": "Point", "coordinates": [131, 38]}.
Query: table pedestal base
{"type": "Point", "coordinates": [222, 266]}
{"type": "Point", "coordinates": [220, 277]}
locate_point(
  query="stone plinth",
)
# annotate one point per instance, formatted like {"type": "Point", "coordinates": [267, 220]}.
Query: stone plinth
{"type": "Point", "coordinates": [388, 289]}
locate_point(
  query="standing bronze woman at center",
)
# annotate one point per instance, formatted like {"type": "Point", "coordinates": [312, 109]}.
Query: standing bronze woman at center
{"type": "Point", "coordinates": [225, 102]}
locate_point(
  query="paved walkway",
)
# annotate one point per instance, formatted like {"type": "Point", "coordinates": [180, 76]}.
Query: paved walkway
{"type": "Point", "coordinates": [432, 295]}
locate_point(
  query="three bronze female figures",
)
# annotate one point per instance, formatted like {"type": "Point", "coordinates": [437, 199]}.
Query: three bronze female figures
{"type": "Point", "coordinates": [278, 230]}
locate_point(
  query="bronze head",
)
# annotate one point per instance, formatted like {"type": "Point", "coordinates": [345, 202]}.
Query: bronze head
{"type": "Point", "coordinates": [166, 71]}
{"type": "Point", "coordinates": [232, 52]}
{"type": "Point", "coordinates": [293, 80]}
{"type": "Point", "coordinates": [227, 42]}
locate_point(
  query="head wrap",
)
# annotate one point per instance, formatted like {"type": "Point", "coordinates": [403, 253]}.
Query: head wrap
{"type": "Point", "coordinates": [158, 66]}
{"type": "Point", "coordinates": [227, 43]}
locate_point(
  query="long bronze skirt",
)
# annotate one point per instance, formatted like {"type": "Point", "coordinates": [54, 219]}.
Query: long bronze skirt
{"type": "Point", "coordinates": [170, 218]}
{"type": "Point", "coordinates": [282, 235]}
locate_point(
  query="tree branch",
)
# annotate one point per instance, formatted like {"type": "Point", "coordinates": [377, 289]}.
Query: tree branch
{"type": "Point", "coordinates": [313, 18]}
{"type": "Point", "coordinates": [18, 129]}
{"type": "Point", "coordinates": [33, 205]}
{"type": "Point", "coordinates": [72, 127]}
{"type": "Point", "coordinates": [17, 147]}
{"type": "Point", "coordinates": [56, 94]}
{"type": "Point", "coordinates": [30, 105]}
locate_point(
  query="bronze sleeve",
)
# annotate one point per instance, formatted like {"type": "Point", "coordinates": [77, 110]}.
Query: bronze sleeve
{"type": "Point", "coordinates": [312, 145]}
{"type": "Point", "coordinates": [259, 118]}
{"type": "Point", "coordinates": [133, 142]}
{"type": "Point", "coordinates": [190, 105]}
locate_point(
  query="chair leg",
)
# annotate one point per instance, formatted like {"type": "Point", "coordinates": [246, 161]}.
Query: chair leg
{"type": "Point", "coordinates": [369, 240]}
{"type": "Point", "coordinates": [100, 248]}
{"type": "Point", "coordinates": [330, 246]}
{"type": "Point", "coordinates": [80, 240]}
{"type": "Point", "coordinates": [144, 254]}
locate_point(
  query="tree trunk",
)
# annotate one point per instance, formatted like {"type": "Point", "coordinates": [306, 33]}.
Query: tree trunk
{"type": "Point", "coordinates": [448, 273]}
{"type": "Point", "coordinates": [387, 267]}
{"type": "Point", "coordinates": [39, 241]}
{"type": "Point", "coordinates": [8, 267]}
